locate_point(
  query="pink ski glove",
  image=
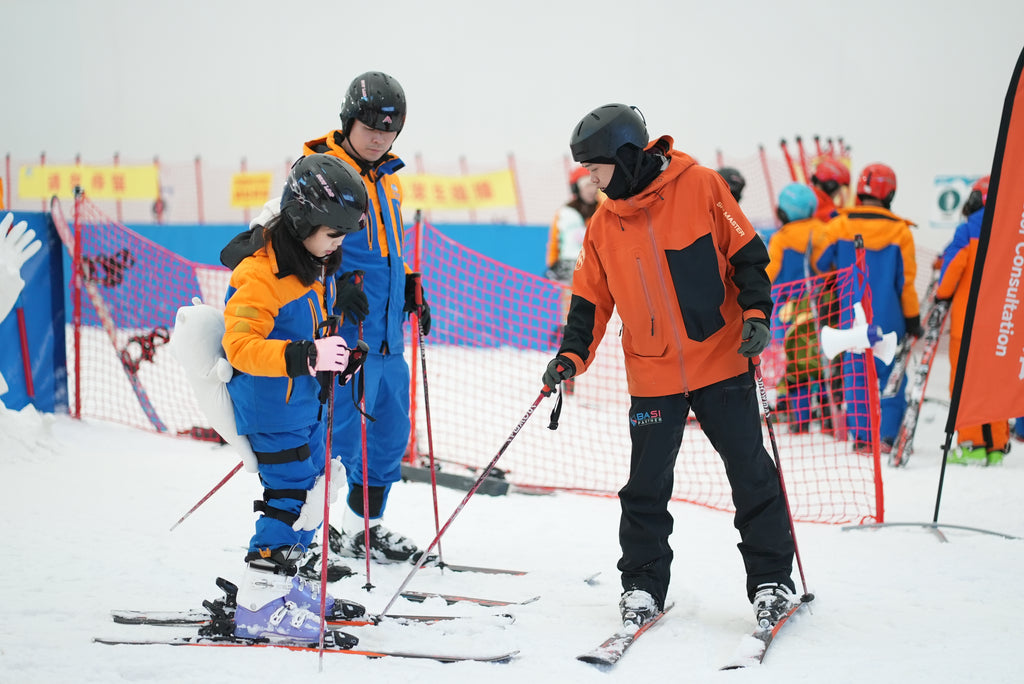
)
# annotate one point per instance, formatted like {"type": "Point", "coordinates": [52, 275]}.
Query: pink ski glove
{"type": "Point", "coordinates": [331, 355]}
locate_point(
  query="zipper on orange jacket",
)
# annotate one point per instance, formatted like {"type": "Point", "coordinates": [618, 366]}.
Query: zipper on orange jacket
{"type": "Point", "coordinates": [667, 300]}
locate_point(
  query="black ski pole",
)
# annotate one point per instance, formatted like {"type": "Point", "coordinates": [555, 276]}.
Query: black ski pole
{"type": "Point", "coordinates": [756, 364]}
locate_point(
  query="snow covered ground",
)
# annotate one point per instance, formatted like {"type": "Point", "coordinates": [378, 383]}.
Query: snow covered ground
{"type": "Point", "coordinates": [87, 508]}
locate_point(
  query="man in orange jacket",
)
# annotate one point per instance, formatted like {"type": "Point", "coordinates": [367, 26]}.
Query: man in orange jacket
{"type": "Point", "coordinates": [672, 251]}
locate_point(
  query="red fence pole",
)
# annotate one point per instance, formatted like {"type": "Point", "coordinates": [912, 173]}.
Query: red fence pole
{"type": "Point", "coordinates": [117, 204]}
{"type": "Point", "coordinates": [245, 211]}
{"type": "Point", "coordinates": [515, 186]}
{"type": "Point", "coordinates": [464, 165]}
{"type": "Point", "coordinates": [42, 162]}
{"type": "Point", "coordinates": [158, 204]}
{"type": "Point", "coordinates": [199, 189]}
{"type": "Point", "coordinates": [767, 178]}
{"type": "Point", "coordinates": [7, 188]}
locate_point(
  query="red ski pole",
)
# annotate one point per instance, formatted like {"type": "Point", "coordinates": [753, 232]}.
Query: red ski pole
{"type": "Point", "coordinates": [331, 323]}
{"type": "Point", "coordinates": [358, 278]}
{"type": "Point", "coordinates": [208, 495]}
{"type": "Point", "coordinates": [417, 280]}
{"type": "Point", "coordinates": [465, 499]}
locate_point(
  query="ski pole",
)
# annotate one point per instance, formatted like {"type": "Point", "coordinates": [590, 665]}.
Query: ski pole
{"type": "Point", "coordinates": [767, 178]}
{"type": "Point", "coordinates": [358, 277]}
{"type": "Point", "coordinates": [331, 325]}
{"type": "Point", "coordinates": [756, 364]}
{"type": "Point", "coordinates": [417, 280]}
{"type": "Point", "coordinates": [208, 495]}
{"type": "Point", "coordinates": [803, 159]}
{"type": "Point", "coordinates": [465, 499]}
{"type": "Point", "coordinates": [789, 161]}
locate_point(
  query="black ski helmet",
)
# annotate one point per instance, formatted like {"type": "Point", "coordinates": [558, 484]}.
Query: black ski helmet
{"type": "Point", "coordinates": [599, 135]}
{"type": "Point", "coordinates": [377, 100]}
{"type": "Point", "coordinates": [735, 180]}
{"type": "Point", "coordinates": [322, 190]}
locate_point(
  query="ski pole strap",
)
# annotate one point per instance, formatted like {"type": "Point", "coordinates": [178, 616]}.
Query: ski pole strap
{"type": "Point", "coordinates": [329, 326]}
{"type": "Point", "coordinates": [556, 413]}
{"type": "Point", "coordinates": [357, 399]}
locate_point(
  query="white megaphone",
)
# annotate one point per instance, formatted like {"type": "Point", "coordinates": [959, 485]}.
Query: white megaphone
{"type": "Point", "coordinates": [859, 338]}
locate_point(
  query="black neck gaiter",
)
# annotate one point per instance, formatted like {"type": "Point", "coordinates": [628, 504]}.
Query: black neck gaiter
{"type": "Point", "coordinates": [634, 171]}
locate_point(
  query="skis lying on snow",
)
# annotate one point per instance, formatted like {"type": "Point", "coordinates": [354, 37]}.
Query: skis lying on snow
{"type": "Point", "coordinates": [474, 568]}
{"type": "Point", "coordinates": [614, 647]}
{"type": "Point", "coordinates": [223, 609]}
{"type": "Point", "coordinates": [421, 596]}
{"type": "Point", "coordinates": [334, 540]}
{"type": "Point", "coordinates": [215, 627]}
{"type": "Point", "coordinates": [334, 642]}
{"type": "Point", "coordinates": [195, 616]}
{"type": "Point", "coordinates": [754, 647]}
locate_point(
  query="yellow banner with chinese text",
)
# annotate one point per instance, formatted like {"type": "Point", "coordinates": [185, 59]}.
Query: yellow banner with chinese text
{"type": "Point", "coordinates": [99, 182]}
{"type": "Point", "coordinates": [479, 191]}
{"type": "Point", "coordinates": [250, 189]}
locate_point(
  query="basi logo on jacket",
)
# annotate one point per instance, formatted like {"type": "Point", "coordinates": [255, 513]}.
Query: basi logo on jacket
{"type": "Point", "coordinates": [642, 418]}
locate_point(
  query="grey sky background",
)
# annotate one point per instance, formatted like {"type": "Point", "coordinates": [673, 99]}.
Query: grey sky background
{"type": "Point", "coordinates": [917, 84]}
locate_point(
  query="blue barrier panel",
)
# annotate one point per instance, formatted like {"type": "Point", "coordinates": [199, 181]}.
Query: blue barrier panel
{"type": "Point", "coordinates": [42, 305]}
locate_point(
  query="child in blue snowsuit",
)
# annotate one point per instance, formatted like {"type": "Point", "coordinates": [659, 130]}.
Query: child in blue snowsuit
{"type": "Point", "coordinates": [278, 337]}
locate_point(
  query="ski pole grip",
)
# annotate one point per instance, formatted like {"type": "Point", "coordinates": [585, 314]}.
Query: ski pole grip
{"type": "Point", "coordinates": [417, 279]}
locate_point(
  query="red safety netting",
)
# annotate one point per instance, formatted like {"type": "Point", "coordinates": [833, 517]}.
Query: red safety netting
{"type": "Point", "coordinates": [494, 329]}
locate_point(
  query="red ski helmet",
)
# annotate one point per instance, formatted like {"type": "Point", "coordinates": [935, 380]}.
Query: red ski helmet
{"type": "Point", "coordinates": [878, 181]}
{"type": "Point", "coordinates": [830, 174]}
{"type": "Point", "coordinates": [578, 174]}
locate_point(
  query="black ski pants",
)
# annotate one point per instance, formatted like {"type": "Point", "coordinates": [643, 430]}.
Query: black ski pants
{"type": "Point", "coordinates": [729, 415]}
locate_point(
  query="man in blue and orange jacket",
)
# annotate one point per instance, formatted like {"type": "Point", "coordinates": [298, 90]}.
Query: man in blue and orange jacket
{"type": "Point", "coordinates": [372, 115]}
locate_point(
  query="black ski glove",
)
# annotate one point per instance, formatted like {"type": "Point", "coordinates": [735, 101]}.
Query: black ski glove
{"type": "Point", "coordinates": [913, 324]}
{"type": "Point", "coordinates": [755, 337]}
{"type": "Point", "coordinates": [351, 300]}
{"type": "Point", "coordinates": [422, 310]}
{"type": "Point", "coordinates": [559, 369]}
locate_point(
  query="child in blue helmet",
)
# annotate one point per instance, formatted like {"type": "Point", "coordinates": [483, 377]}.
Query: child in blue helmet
{"type": "Point", "coordinates": [789, 250]}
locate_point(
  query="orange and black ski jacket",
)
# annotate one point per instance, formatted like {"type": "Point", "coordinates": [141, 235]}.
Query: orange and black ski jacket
{"type": "Point", "coordinates": [684, 267]}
